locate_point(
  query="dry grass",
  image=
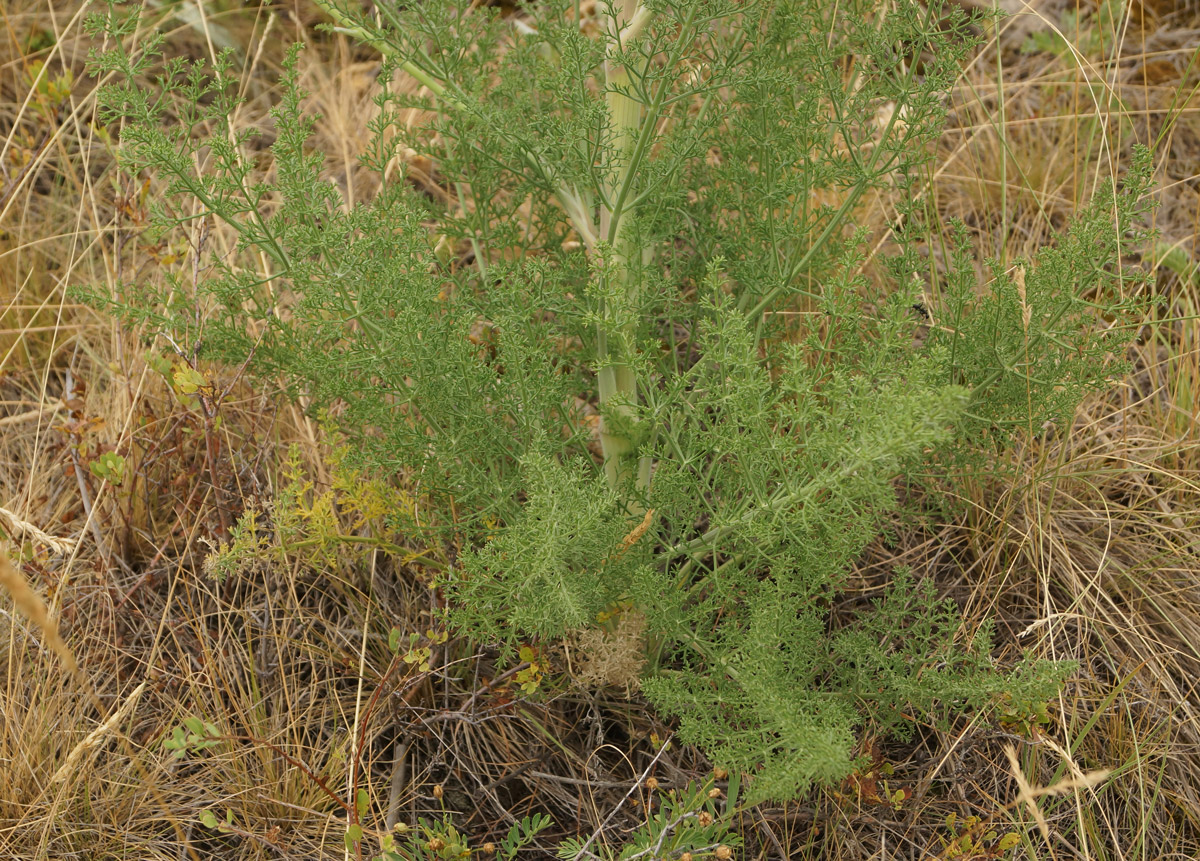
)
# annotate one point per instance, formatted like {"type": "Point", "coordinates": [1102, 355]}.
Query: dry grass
{"type": "Point", "coordinates": [1087, 551]}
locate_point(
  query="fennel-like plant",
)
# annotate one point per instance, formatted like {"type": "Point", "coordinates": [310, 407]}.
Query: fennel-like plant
{"type": "Point", "coordinates": [649, 210]}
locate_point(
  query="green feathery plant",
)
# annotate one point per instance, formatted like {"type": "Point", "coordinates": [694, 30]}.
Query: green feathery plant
{"type": "Point", "coordinates": [649, 212]}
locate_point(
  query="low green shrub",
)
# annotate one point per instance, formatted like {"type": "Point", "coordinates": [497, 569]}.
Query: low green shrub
{"type": "Point", "coordinates": [646, 216]}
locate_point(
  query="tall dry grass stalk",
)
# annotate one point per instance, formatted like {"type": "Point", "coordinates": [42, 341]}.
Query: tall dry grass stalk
{"type": "Point", "coordinates": [97, 736]}
{"type": "Point", "coordinates": [29, 602]}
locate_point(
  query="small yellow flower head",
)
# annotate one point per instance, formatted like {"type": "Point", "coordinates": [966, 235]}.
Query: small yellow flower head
{"type": "Point", "coordinates": [720, 773]}
{"type": "Point", "coordinates": [652, 783]}
{"type": "Point", "coordinates": [705, 819]}
{"type": "Point", "coordinates": [437, 791]}
{"type": "Point", "coordinates": [714, 793]}
{"type": "Point", "coordinates": [489, 848]}
{"type": "Point", "coordinates": [723, 852]}
{"type": "Point", "coordinates": [436, 844]}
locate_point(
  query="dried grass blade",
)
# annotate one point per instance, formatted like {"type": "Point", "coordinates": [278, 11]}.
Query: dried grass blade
{"type": "Point", "coordinates": [31, 604]}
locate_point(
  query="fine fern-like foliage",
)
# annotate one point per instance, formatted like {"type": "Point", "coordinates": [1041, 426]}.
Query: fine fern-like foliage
{"type": "Point", "coordinates": [1045, 332]}
{"type": "Point", "coordinates": [635, 198]}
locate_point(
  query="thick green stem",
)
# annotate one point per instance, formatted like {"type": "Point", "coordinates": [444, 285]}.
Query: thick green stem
{"type": "Point", "coordinates": [617, 328]}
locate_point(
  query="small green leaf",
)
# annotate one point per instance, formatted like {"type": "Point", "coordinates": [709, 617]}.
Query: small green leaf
{"type": "Point", "coordinates": [208, 819]}
{"type": "Point", "coordinates": [731, 793]}
{"type": "Point", "coordinates": [394, 640]}
{"type": "Point", "coordinates": [177, 742]}
{"type": "Point", "coordinates": [362, 800]}
{"type": "Point", "coordinates": [109, 467]}
{"type": "Point", "coordinates": [158, 363]}
{"type": "Point", "coordinates": [354, 834]}
{"type": "Point", "coordinates": [188, 380]}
